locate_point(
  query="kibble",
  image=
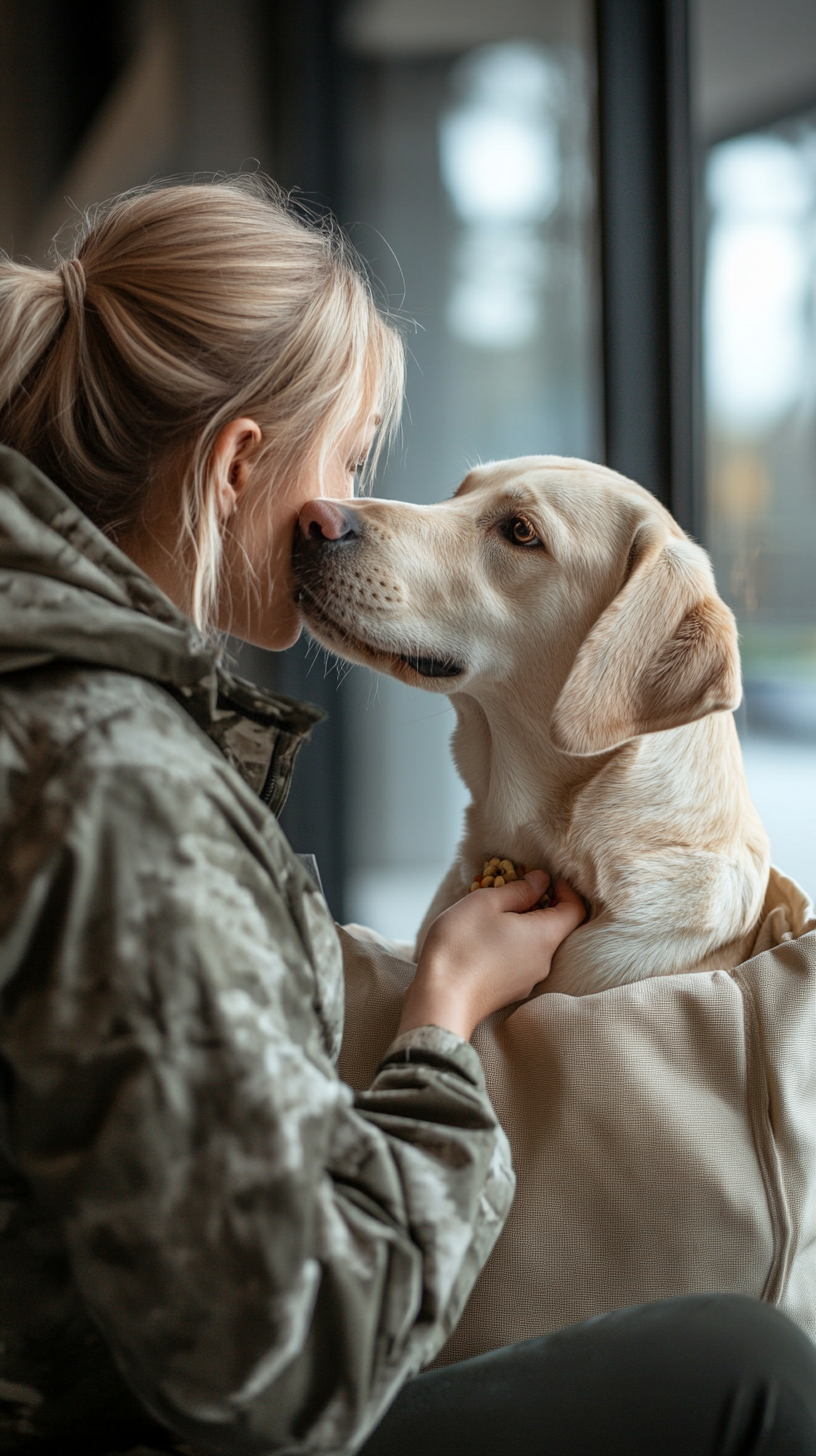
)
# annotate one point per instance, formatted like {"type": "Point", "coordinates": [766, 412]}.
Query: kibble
{"type": "Point", "coordinates": [498, 871]}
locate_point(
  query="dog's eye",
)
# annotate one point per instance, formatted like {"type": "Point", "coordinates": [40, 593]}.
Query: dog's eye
{"type": "Point", "coordinates": [520, 531]}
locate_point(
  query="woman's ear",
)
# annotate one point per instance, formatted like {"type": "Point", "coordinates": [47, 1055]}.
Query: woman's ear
{"type": "Point", "coordinates": [233, 455]}
{"type": "Point", "coordinates": [663, 653]}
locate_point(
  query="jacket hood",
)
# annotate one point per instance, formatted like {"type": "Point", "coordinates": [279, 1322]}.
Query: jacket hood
{"type": "Point", "coordinates": [67, 594]}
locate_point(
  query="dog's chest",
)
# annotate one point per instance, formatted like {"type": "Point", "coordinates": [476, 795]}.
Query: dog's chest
{"type": "Point", "coordinates": [546, 842]}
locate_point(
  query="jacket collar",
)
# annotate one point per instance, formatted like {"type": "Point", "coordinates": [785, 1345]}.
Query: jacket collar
{"type": "Point", "coordinates": [259, 732]}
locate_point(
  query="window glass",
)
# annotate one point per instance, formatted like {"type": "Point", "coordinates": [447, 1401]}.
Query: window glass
{"type": "Point", "coordinates": [468, 158]}
{"type": "Point", "coordinates": [760, 381]}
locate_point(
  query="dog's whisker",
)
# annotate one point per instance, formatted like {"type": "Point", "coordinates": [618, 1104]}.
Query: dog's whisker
{"type": "Point", "coordinates": [426, 717]}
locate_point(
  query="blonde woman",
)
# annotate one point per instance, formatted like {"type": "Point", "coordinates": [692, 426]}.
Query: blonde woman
{"type": "Point", "coordinates": [207, 1242]}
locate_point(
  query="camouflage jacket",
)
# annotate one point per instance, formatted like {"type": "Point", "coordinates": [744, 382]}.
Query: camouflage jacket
{"type": "Point", "coordinates": [207, 1242]}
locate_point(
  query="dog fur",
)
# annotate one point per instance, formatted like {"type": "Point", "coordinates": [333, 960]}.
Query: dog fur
{"type": "Point", "coordinates": [593, 669]}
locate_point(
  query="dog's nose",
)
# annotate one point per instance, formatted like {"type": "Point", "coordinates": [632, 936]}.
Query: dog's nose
{"type": "Point", "coordinates": [325, 520]}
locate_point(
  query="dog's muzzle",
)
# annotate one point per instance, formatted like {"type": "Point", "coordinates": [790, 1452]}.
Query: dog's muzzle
{"type": "Point", "coordinates": [326, 536]}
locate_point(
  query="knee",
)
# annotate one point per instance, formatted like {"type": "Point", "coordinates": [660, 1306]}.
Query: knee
{"type": "Point", "coordinates": [752, 1340]}
{"type": "Point", "coordinates": [747, 1326]}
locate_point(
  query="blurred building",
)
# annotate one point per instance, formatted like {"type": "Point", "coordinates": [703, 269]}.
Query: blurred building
{"type": "Point", "coordinates": [757, 120]}
{"type": "Point", "coordinates": [599, 217]}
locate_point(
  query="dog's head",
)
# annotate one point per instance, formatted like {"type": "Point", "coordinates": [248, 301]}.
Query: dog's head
{"type": "Point", "coordinates": [554, 577]}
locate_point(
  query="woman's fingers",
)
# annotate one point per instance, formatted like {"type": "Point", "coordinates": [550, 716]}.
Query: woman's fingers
{"type": "Point", "coordinates": [557, 920]}
{"type": "Point", "coordinates": [520, 895]}
{"type": "Point", "coordinates": [566, 912]}
{"type": "Point", "coordinates": [569, 910]}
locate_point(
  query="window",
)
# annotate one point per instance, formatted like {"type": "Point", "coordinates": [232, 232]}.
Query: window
{"type": "Point", "coordinates": [468, 153]}
{"type": "Point", "coordinates": [760, 386]}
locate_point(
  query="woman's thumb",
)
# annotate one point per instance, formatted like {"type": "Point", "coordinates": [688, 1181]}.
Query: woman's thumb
{"type": "Point", "coordinates": [523, 894]}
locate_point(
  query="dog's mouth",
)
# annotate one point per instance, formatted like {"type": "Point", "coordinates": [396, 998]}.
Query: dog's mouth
{"type": "Point", "coordinates": [338, 638]}
{"type": "Point", "coordinates": [432, 666]}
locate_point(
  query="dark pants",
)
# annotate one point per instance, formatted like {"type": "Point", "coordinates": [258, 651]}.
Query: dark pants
{"type": "Point", "coordinates": [701, 1375]}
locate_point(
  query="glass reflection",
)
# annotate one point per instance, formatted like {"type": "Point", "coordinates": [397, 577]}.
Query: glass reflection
{"type": "Point", "coordinates": [500, 161]}
{"type": "Point", "coordinates": [760, 363]}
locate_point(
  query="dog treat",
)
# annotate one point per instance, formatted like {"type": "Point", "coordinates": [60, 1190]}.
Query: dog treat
{"type": "Point", "coordinates": [498, 871]}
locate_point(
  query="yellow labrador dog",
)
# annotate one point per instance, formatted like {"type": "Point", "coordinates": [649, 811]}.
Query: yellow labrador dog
{"type": "Point", "coordinates": [593, 668]}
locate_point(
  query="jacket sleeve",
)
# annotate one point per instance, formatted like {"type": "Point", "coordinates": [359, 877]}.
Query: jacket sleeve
{"type": "Point", "coordinates": [267, 1258]}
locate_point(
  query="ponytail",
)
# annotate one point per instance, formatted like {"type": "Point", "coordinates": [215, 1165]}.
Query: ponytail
{"type": "Point", "coordinates": [33, 307]}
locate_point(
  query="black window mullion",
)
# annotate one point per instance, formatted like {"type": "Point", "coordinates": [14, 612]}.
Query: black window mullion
{"type": "Point", "coordinates": [648, 249]}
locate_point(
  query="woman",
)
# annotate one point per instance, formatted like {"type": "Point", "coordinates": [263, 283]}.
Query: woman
{"type": "Point", "coordinates": [208, 1244]}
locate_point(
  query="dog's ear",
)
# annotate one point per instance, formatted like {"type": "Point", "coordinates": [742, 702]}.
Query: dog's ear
{"type": "Point", "coordinates": [663, 653]}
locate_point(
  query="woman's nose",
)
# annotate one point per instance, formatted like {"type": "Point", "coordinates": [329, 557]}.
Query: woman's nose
{"type": "Point", "coordinates": [325, 520]}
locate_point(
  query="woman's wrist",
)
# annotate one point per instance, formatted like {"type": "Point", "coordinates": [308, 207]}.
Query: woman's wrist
{"type": "Point", "coordinates": [434, 999]}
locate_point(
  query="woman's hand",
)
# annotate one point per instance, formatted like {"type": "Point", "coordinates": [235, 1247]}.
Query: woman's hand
{"type": "Point", "coordinates": [488, 951]}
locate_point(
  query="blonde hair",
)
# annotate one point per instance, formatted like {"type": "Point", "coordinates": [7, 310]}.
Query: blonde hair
{"type": "Point", "coordinates": [179, 309]}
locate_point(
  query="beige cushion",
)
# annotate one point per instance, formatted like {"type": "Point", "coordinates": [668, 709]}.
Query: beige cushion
{"type": "Point", "coordinates": [663, 1133]}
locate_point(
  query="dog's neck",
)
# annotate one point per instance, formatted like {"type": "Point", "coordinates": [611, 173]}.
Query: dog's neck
{"type": "Point", "coordinates": [547, 808]}
{"type": "Point", "coordinates": [523, 789]}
